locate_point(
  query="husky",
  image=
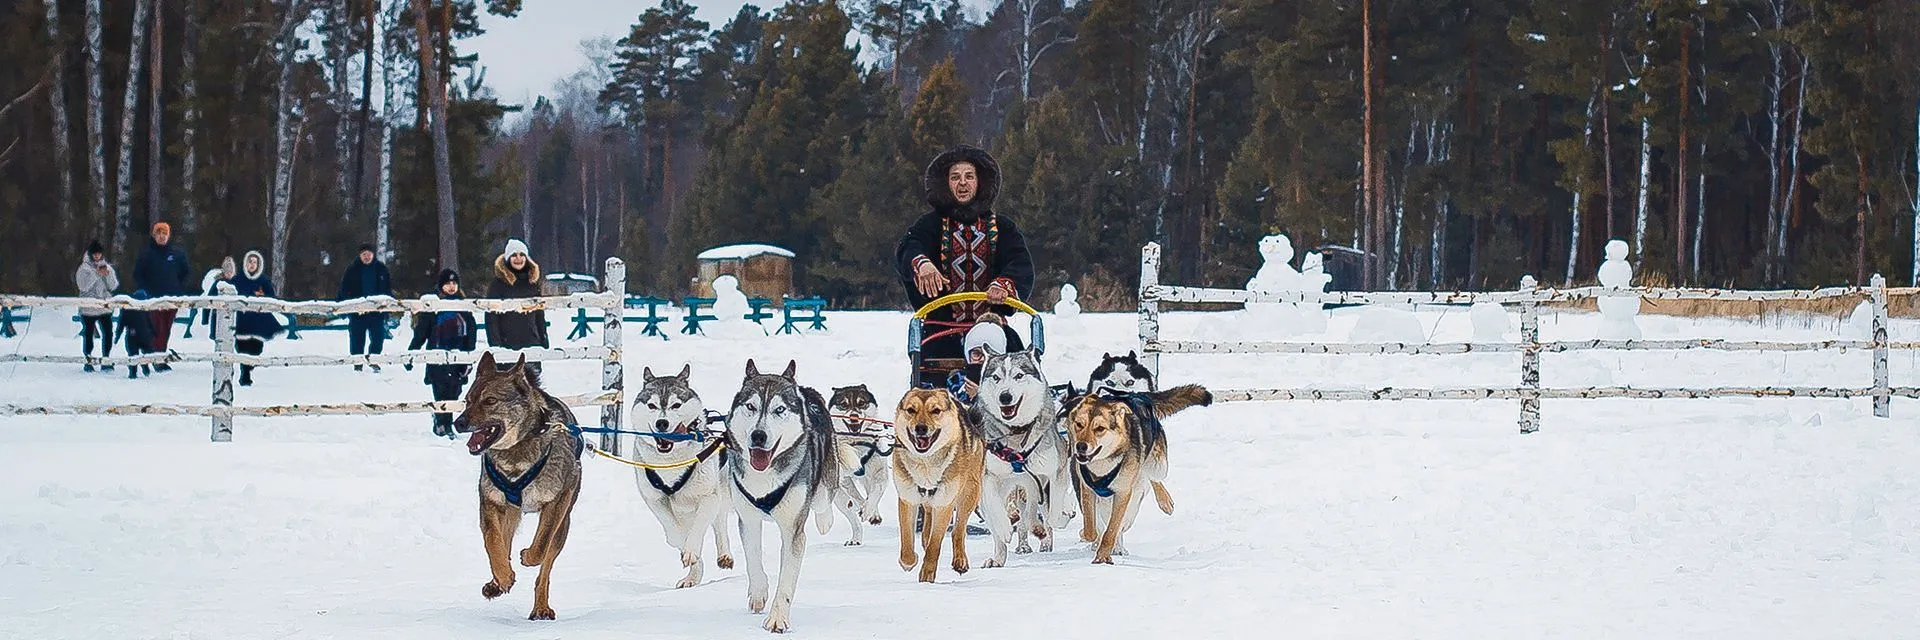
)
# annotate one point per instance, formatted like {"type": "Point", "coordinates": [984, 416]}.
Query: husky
{"type": "Point", "coordinates": [863, 456]}
{"type": "Point", "coordinates": [1119, 451]}
{"type": "Point", "coordinates": [783, 466]}
{"type": "Point", "coordinates": [689, 499]}
{"type": "Point", "coordinates": [529, 463]}
{"type": "Point", "coordinates": [1121, 373]}
{"type": "Point", "coordinates": [1020, 418]}
{"type": "Point", "coordinates": [937, 471]}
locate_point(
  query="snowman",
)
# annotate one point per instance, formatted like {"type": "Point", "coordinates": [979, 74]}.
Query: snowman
{"type": "Point", "coordinates": [1276, 275]}
{"type": "Point", "coordinates": [1617, 312]}
{"type": "Point", "coordinates": [1066, 312]}
{"type": "Point", "coordinates": [730, 308]}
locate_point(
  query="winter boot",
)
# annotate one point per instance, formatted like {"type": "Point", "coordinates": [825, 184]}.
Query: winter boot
{"type": "Point", "coordinates": [106, 367]}
{"type": "Point", "coordinates": [160, 367]}
{"type": "Point", "coordinates": [442, 425]}
{"type": "Point", "coordinates": [374, 367]}
{"type": "Point", "coordinates": [87, 367]}
{"type": "Point", "coordinates": [359, 367]}
{"type": "Point", "coordinates": [147, 371]}
{"type": "Point", "coordinates": [246, 376]}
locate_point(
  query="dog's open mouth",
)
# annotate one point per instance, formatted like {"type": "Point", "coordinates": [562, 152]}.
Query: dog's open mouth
{"type": "Point", "coordinates": [1084, 457]}
{"type": "Point", "coordinates": [1008, 411]}
{"type": "Point", "coordinates": [759, 458]}
{"type": "Point", "coordinates": [923, 440]}
{"type": "Point", "coordinates": [663, 444]}
{"type": "Point", "coordinates": [484, 436]}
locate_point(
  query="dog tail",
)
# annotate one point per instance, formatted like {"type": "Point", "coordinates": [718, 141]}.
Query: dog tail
{"type": "Point", "coordinates": [1177, 399]}
{"type": "Point", "coordinates": [1164, 499]}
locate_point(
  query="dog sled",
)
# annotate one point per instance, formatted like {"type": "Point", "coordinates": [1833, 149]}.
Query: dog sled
{"type": "Point", "coordinates": [939, 372]}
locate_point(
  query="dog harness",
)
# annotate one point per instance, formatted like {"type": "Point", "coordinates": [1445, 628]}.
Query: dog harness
{"type": "Point", "coordinates": [1016, 458]}
{"type": "Point", "coordinates": [767, 502]}
{"type": "Point", "coordinates": [873, 449]}
{"type": "Point", "coordinates": [1101, 486]}
{"type": "Point", "coordinates": [513, 488]}
{"type": "Point", "coordinates": [653, 477]}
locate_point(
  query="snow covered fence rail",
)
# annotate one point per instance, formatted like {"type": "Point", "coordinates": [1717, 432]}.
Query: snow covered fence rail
{"type": "Point", "coordinates": [227, 305]}
{"type": "Point", "coordinates": [1528, 298]}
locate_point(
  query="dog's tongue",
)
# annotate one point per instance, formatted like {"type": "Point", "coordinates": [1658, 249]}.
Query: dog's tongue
{"type": "Point", "coordinates": [1008, 410]}
{"type": "Point", "coordinates": [477, 441]}
{"type": "Point", "coordinates": [760, 458]}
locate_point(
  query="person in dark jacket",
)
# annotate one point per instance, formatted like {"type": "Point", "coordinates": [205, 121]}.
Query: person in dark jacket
{"type": "Point", "coordinates": [252, 329]}
{"type": "Point", "coordinates": [162, 271]}
{"type": "Point", "coordinates": [366, 277]}
{"type": "Point", "coordinates": [136, 331]}
{"type": "Point", "coordinates": [962, 245]}
{"type": "Point", "coordinates": [516, 276]}
{"type": "Point", "coordinates": [448, 330]}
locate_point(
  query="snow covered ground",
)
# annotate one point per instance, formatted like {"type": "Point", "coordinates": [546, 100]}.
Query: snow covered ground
{"type": "Point", "coordinates": [1619, 519]}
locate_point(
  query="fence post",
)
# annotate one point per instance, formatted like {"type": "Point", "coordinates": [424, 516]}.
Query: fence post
{"type": "Point", "coordinates": [1529, 357]}
{"type": "Point", "coordinates": [612, 373]}
{"type": "Point", "coordinates": [1150, 308]}
{"type": "Point", "coordinates": [223, 320]}
{"type": "Point", "coordinates": [1882, 394]}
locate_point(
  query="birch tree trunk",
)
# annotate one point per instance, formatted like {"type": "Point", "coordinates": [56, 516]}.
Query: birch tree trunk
{"type": "Point", "coordinates": [1573, 240]}
{"type": "Point", "coordinates": [1793, 174]}
{"type": "Point", "coordinates": [156, 147]}
{"type": "Point", "coordinates": [1606, 118]}
{"type": "Point", "coordinates": [284, 141]}
{"type": "Point", "coordinates": [1646, 177]}
{"type": "Point", "coordinates": [1681, 274]}
{"type": "Point", "coordinates": [1916, 194]}
{"type": "Point", "coordinates": [388, 115]}
{"type": "Point", "coordinates": [190, 112]}
{"type": "Point", "coordinates": [57, 94]}
{"type": "Point", "coordinates": [96, 126]}
{"type": "Point", "coordinates": [1774, 156]}
{"type": "Point", "coordinates": [443, 179]}
{"type": "Point", "coordinates": [1370, 276]}
{"type": "Point", "coordinates": [129, 118]}
{"type": "Point", "coordinates": [342, 99]}
{"type": "Point", "coordinates": [359, 178]}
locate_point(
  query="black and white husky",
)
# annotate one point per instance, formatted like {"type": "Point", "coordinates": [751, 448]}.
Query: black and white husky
{"type": "Point", "coordinates": [782, 467]}
{"type": "Point", "coordinates": [1020, 416]}
{"type": "Point", "coordinates": [1121, 373]}
{"type": "Point", "coordinates": [689, 499]}
{"type": "Point", "coordinates": [865, 449]}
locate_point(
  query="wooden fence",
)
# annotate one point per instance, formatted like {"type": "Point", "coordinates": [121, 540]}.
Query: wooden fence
{"type": "Point", "coordinates": [224, 357]}
{"type": "Point", "coordinates": [1528, 299]}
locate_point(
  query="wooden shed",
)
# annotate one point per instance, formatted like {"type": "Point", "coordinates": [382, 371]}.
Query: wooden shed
{"type": "Point", "coordinates": [764, 270]}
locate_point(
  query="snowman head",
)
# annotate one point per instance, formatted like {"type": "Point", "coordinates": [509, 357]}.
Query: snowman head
{"type": "Point", "coordinates": [1068, 293]}
{"type": "Point", "coordinates": [1276, 248]}
{"type": "Point", "coordinates": [1616, 250]}
{"type": "Point", "coordinates": [725, 284]}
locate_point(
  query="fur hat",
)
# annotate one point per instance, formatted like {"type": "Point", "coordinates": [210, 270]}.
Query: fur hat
{"type": "Point", "coordinates": [514, 245]}
{"type": "Point", "coordinates": [366, 247]}
{"type": "Point", "coordinates": [446, 276]}
{"type": "Point", "coordinates": [159, 227]}
{"type": "Point", "coordinates": [985, 334]}
{"type": "Point", "coordinates": [256, 255]}
{"type": "Point", "coordinates": [934, 181]}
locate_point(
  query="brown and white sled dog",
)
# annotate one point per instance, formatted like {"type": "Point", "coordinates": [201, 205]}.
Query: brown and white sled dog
{"type": "Point", "coordinates": [782, 467]}
{"type": "Point", "coordinates": [529, 463]}
{"type": "Point", "coordinates": [1119, 451]}
{"type": "Point", "coordinates": [937, 472]}
{"type": "Point", "coordinates": [688, 500]}
{"type": "Point", "coordinates": [1025, 454]}
{"type": "Point", "coordinates": [863, 457]}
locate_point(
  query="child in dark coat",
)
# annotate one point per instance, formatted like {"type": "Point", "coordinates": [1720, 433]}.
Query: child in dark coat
{"type": "Point", "coordinates": [252, 329]}
{"type": "Point", "coordinates": [448, 330]}
{"type": "Point", "coordinates": [136, 332]}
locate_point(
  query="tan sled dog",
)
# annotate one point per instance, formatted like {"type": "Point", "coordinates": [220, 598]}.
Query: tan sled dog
{"type": "Point", "coordinates": [1119, 450]}
{"type": "Point", "coordinates": [937, 467]}
{"type": "Point", "coordinates": [529, 463]}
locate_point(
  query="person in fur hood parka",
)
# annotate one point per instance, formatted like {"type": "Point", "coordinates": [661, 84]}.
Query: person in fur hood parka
{"type": "Point", "coordinates": [961, 245]}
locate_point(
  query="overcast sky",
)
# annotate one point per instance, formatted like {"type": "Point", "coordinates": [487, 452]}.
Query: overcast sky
{"type": "Point", "coordinates": [525, 55]}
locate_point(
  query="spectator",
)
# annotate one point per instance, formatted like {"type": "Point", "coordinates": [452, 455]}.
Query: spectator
{"type": "Point", "coordinates": [96, 279]}
{"type": "Point", "coordinates": [516, 276]}
{"type": "Point", "coordinates": [252, 329]}
{"type": "Point", "coordinates": [367, 277]}
{"type": "Point", "coordinates": [210, 286]}
{"type": "Point", "coordinates": [448, 330]}
{"type": "Point", "coordinates": [161, 271]}
{"type": "Point", "coordinates": [136, 328]}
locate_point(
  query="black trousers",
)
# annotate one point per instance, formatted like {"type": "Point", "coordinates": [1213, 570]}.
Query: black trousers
{"type": "Point", "coordinates": [447, 380]}
{"type": "Point", "coordinates": [103, 324]}
{"type": "Point", "coordinates": [252, 348]}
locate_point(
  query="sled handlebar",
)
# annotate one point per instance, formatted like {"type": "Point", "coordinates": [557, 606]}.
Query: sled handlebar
{"type": "Point", "coordinates": [969, 296]}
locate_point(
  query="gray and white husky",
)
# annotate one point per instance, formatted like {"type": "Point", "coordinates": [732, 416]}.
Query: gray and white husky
{"type": "Point", "coordinates": [865, 459]}
{"type": "Point", "coordinates": [691, 499]}
{"type": "Point", "coordinates": [1020, 416]}
{"type": "Point", "coordinates": [782, 466]}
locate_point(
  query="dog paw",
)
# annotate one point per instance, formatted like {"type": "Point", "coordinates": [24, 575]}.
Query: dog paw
{"type": "Point", "coordinates": [776, 622]}
{"type": "Point", "coordinates": [873, 519]}
{"type": "Point", "coordinates": [725, 561]}
{"type": "Point", "coordinates": [1103, 558]}
{"type": "Point", "coordinates": [689, 558]}
{"type": "Point", "coordinates": [541, 613]}
{"type": "Point", "coordinates": [908, 561]}
{"type": "Point", "coordinates": [528, 558]}
{"type": "Point", "coordinates": [492, 590]}
{"type": "Point", "coordinates": [852, 543]}
{"type": "Point", "coordinates": [961, 565]}
{"type": "Point", "coordinates": [995, 563]}
{"type": "Point", "coordinates": [1086, 535]}
{"type": "Point", "coordinates": [1046, 545]}
{"type": "Point", "coordinates": [927, 573]}
{"type": "Point", "coordinates": [1023, 548]}
{"type": "Point", "coordinates": [687, 582]}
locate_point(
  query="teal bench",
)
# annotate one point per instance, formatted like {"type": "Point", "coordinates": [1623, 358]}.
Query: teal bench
{"type": "Point", "coordinates": [7, 319]}
{"type": "Point", "coordinates": [760, 310]}
{"type": "Point", "coordinates": [653, 319]}
{"type": "Point", "coordinates": [694, 317]}
{"type": "Point", "coordinates": [808, 310]}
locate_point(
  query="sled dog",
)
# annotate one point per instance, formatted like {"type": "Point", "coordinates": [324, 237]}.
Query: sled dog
{"type": "Point", "coordinates": [782, 467]}
{"type": "Point", "coordinates": [693, 495]}
{"type": "Point", "coordinates": [863, 457]}
{"type": "Point", "coordinates": [1121, 373]}
{"type": "Point", "coordinates": [529, 463]}
{"type": "Point", "coordinates": [1119, 450]}
{"type": "Point", "coordinates": [1025, 454]}
{"type": "Point", "coordinates": [937, 472]}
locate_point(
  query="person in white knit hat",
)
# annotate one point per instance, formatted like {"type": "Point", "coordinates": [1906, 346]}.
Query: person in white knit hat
{"type": "Point", "coordinates": [515, 275]}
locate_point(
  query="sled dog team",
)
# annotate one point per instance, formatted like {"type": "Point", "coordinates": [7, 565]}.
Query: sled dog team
{"type": "Point", "coordinates": [786, 452]}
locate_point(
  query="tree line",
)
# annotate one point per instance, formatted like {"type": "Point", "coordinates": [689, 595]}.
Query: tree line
{"type": "Point", "coordinates": [1435, 143]}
